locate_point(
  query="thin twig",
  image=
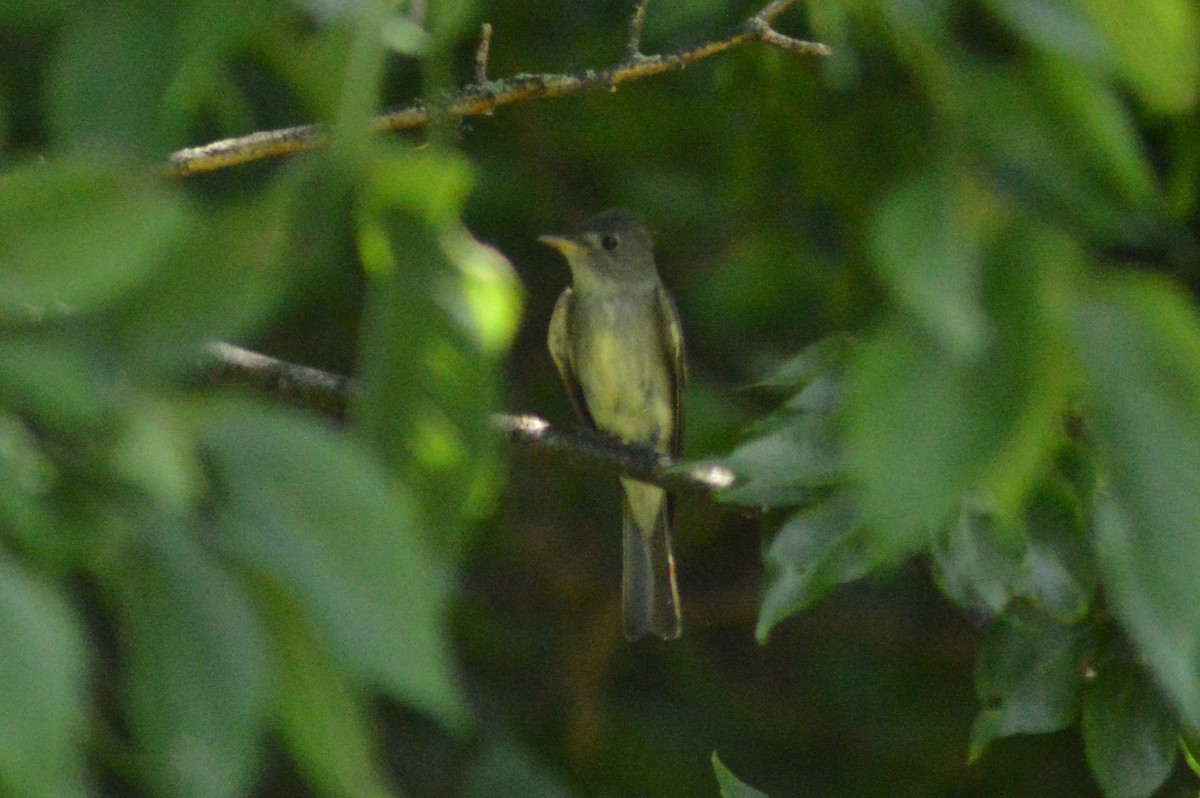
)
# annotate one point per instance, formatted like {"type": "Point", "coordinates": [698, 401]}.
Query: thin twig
{"type": "Point", "coordinates": [481, 54]}
{"type": "Point", "coordinates": [477, 99]}
{"type": "Point", "coordinates": [331, 394]}
{"type": "Point", "coordinates": [633, 46]}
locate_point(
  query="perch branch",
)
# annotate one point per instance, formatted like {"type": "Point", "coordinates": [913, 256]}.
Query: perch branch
{"type": "Point", "coordinates": [484, 97]}
{"type": "Point", "coordinates": [330, 394]}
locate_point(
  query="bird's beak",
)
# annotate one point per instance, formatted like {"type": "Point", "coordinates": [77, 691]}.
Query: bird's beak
{"type": "Point", "coordinates": [567, 246]}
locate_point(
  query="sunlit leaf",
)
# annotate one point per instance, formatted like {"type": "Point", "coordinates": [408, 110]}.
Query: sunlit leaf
{"type": "Point", "coordinates": [731, 786]}
{"type": "Point", "coordinates": [1155, 45]}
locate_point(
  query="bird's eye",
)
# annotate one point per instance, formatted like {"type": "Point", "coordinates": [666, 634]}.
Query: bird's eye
{"type": "Point", "coordinates": [610, 242]}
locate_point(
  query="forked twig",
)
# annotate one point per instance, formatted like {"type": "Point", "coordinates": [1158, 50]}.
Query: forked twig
{"type": "Point", "coordinates": [482, 97]}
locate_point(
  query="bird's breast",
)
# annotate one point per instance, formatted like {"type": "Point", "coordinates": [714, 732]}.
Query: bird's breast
{"type": "Point", "coordinates": [623, 369]}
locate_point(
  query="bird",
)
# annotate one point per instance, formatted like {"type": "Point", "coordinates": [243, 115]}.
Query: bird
{"type": "Point", "coordinates": [616, 340]}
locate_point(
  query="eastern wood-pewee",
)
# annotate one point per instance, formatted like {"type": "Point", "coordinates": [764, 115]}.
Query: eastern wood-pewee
{"type": "Point", "coordinates": [616, 340]}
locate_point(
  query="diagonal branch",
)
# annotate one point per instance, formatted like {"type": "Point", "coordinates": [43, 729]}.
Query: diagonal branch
{"type": "Point", "coordinates": [331, 394]}
{"type": "Point", "coordinates": [484, 97]}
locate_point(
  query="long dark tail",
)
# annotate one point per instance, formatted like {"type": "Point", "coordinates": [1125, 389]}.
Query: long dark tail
{"type": "Point", "coordinates": [649, 593]}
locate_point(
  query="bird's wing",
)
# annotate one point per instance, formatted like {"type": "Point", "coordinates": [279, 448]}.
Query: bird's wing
{"type": "Point", "coordinates": [672, 343]}
{"type": "Point", "coordinates": [560, 350]}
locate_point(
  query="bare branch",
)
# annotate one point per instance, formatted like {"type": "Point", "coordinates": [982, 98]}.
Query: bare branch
{"type": "Point", "coordinates": [633, 45]}
{"type": "Point", "coordinates": [330, 394]}
{"type": "Point", "coordinates": [482, 98]}
{"type": "Point", "coordinates": [481, 54]}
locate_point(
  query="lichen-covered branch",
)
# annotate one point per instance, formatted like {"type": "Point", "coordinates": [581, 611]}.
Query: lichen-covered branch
{"type": "Point", "coordinates": [331, 394]}
{"type": "Point", "coordinates": [481, 97]}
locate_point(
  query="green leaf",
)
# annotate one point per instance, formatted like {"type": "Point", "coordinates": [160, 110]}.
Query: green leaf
{"type": "Point", "coordinates": [815, 551]}
{"type": "Point", "coordinates": [1060, 571]}
{"type": "Point", "coordinates": [226, 276]}
{"type": "Point", "coordinates": [198, 680]}
{"type": "Point", "coordinates": [506, 770]}
{"type": "Point", "coordinates": [441, 310]}
{"type": "Point", "coordinates": [824, 357]}
{"type": "Point", "coordinates": [977, 560]}
{"type": "Point", "coordinates": [55, 380]}
{"type": "Point", "coordinates": [322, 719]}
{"type": "Point", "coordinates": [1027, 123]}
{"type": "Point", "coordinates": [1028, 676]}
{"type": "Point", "coordinates": [924, 426]}
{"type": "Point", "coordinates": [1058, 27]}
{"type": "Point", "coordinates": [42, 700]}
{"type": "Point", "coordinates": [1155, 46]}
{"type": "Point", "coordinates": [75, 235]}
{"type": "Point", "coordinates": [316, 512]}
{"type": "Point", "coordinates": [1129, 732]}
{"type": "Point", "coordinates": [1139, 343]}
{"type": "Point", "coordinates": [731, 786]}
{"type": "Point", "coordinates": [133, 77]}
{"type": "Point", "coordinates": [925, 244]}
{"type": "Point", "coordinates": [792, 460]}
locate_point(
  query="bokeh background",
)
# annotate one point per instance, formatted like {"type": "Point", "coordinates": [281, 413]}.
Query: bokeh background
{"type": "Point", "coordinates": [764, 176]}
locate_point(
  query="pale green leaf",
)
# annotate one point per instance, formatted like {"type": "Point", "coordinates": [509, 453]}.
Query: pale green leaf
{"type": "Point", "coordinates": [1139, 343]}
{"type": "Point", "coordinates": [317, 512]}
{"type": "Point", "coordinates": [43, 712]}
{"type": "Point", "coordinates": [74, 235]}
{"type": "Point", "coordinates": [731, 786]}
{"type": "Point", "coordinates": [198, 678]}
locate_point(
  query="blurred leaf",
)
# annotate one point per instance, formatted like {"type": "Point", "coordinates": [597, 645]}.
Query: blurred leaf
{"type": "Point", "coordinates": [923, 426]}
{"type": "Point", "coordinates": [1059, 27]}
{"type": "Point", "coordinates": [925, 243]}
{"type": "Point", "coordinates": [1155, 45]}
{"type": "Point", "coordinates": [505, 770]}
{"type": "Point", "coordinates": [1027, 123]}
{"type": "Point", "coordinates": [441, 310]}
{"type": "Point", "coordinates": [825, 356]}
{"type": "Point", "coordinates": [1129, 732]}
{"type": "Point", "coordinates": [1139, 343]}
{"type": "Point", "coordinates": [1060, 572]}
{"type": "Point", "coordinates": [314, 511]}
{"type": "Point", "coordinates": [226, 277]}
{"type": "Point", "coordinates": [155, 453]}
{"type": "Point", "coordinates": [74, 235]}
{"type": "Point", "coordinates": [130, 76]}
{"type": "Point", "coordinates": [977, 560]}
{"type": "Point", "coordinates": [1028, 676]}
{"type": "Point", "coordinates": [815, 551]}
{"type": "Point", "coordinates": [323, 722]}
{"type": "Point", "coordinates": [730, 786]}
{"type": "Point", "coordinates": [27, 476]}
{"type": "Point", "coordinates": [198, 679]}
{"type": "Point", "coordinates": [792, 462]}
{"type": "Point", "coordinates": [54, 380]}
{"type": "Point", "coordinates": [42, 681]}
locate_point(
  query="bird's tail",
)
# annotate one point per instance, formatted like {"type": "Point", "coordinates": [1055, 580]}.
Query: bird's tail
{"type": "Point", "coordinates": [649, 593]}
